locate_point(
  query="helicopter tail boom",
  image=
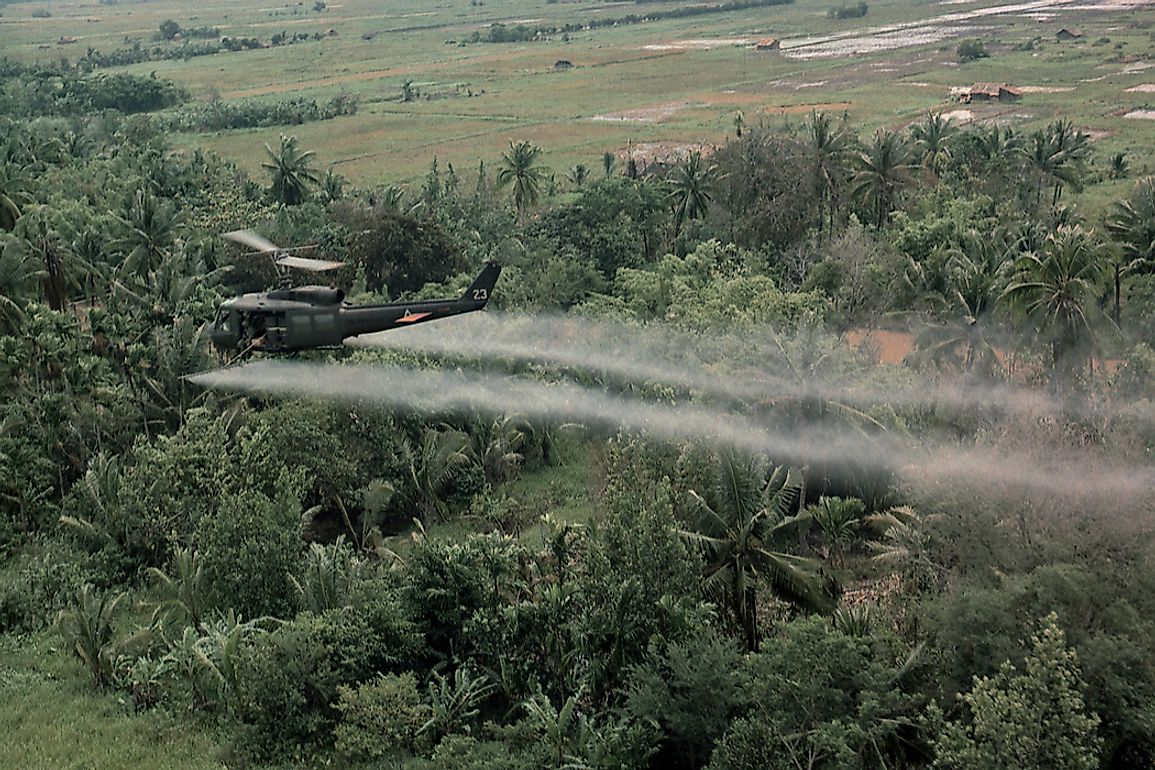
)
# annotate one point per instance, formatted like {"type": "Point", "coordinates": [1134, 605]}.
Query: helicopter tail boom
{"type": "Point", "coordinates": [482, 286]}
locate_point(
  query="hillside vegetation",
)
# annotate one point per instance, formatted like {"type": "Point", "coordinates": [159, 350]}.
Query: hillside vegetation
{"type": "Point", "coordinates": [653, 509]}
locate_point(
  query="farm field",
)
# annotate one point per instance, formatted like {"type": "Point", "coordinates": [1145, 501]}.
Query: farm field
{"type": "Point", "coordinates": [648, 90]}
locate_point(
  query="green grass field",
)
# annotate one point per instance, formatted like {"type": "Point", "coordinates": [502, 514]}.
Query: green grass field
{"type": "Point", "coordinates": [53, 719]}
{"type": "Point", "coordinates": [647, 88]}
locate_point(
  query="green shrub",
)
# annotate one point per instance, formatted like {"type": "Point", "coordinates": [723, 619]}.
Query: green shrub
{"type": "Point", "coordinates": [970, 50]}
{"type": "Point", "coordinates": [250, 548]}
{"type": "Point", "coordinates": [380, 718]}
{"type": "Point", "coordinates": [1026, 719]}
{"type": "Point", "coordinates": [448, 582]}
{"type": "Point", "coordinates": [855, 11]}
{"type": "Point", "coordinates": [817, 692]}
{"type": "Point", "coordinates": [288, 680]}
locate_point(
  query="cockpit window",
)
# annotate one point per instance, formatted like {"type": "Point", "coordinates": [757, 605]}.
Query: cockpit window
{"type": "Point", "coordinates": [223, 320]}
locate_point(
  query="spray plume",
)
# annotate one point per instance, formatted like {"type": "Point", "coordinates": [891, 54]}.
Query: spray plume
{"type": "Point", "coordinates": [759, 365]}
{"type": "Point", "coordinates": [439, 391]}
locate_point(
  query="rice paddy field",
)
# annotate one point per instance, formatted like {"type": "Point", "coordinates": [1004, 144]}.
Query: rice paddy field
{"type": "Point", "coordinates": [649, 89]}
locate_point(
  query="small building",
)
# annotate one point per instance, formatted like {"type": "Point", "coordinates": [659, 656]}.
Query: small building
{"type": "Point", "coordinates": [987, 92]}
{"type": "Point", "coordinates": [768, 44]}
{"type": "Point", "coordinates": [1068, 33]}
{"type": "Point", "coordinates": [563, 64]}
{"type": "Point", "coordinates": [66, 40]}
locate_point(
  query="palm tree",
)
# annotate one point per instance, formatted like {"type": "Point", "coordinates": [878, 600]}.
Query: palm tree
{"type": "Point", "coordinates": [578, 175]}
{"type": "Point", "coordinates": [1056, 290]}
{"type": "Point", "coordinates": [608, 161]}
{"type": "Point", "coordinates": [974, 285]}
{"type": "Point", "coordinates": [497, 444]}
{"type": "Point", "coordinates": [1132, 224]}
{"type": "Point", "coordinates": [332, 185]}
{"type": "Point", "coordinates": [187, 594]}
{"type": "Point", "coordinates": [152, 225]}
{"type": "Point", "coordinates": [327, 578]}
{"type": "Point", "coordinates": [291, 170]}
{"type": "Point", "coordinates": [690, 190]}
{"type": "Point", "coordinates": [832, 151]}
{"type": "Point", "coordinates": [37, 234]}
{"type": "Point", "coordinates": [519, 168]}
{"type": "Point", "coordinates": [13, 192]}
{"type": "Point", "coordinates": [431, 468]}
{"type": "Point", "coordinates": [740, 530]}
{"type": "Point", "coordinates": [18, 276]}
{"type": "Point", "coordinates": [932, 139]}
{"type": "Point", "coordinates": [838, 518]}
{"type": "Point", "coordinates": [883, 170]}
{"type": "Point", "coordinates": [1119, 166]}
{"type": "Point", "coordinates": [1057, 156]}
{"type": "Point", "coordinates": [86, 626]}
{"type": "Point", "coordinates": [902, 541]}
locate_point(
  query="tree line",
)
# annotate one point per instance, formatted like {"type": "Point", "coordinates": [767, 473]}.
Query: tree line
{"type": "Point", "coordinates": [502, 33]}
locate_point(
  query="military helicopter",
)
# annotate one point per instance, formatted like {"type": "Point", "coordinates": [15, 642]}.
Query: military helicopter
{"type": "Point", "coordinates": [304, 317]}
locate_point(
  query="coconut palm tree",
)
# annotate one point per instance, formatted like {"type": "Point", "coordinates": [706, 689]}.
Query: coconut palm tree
{"type": "Point", "coordinates": [151, 225]}
{"type": "Point", "coordinates": [1057, 156]}
{"type": "Point", "coordinates": [903, 541]}
{"type": "Point", "coordinates": [1056, 291]}
{"type": "Point", "coordinates": [37, 234]}
{"type": "Point", "coordinates": [519, 168]}
{"type": "Point", "coordinates": [14, 184]}
{"type": "Point", "coordinates": [1118, 166]}
{"type": "Point", "coordinates": [185, 595]}
{"type": "Point", "coordinates": [832, 149]}
{"type": "Point", "coordinates": [1132, 225]}
{"type": "Point", "coordinates": [883, 170]}
{"type": "Point", "coordinates": [19, 273]}
{"type": "Point", "coordinates": [932, 139]}
{"type": "Point", "coordinates": [690, 189]}
{"type": "Point", "coordinates": [332, 185]}
{"type": "Point", "coordinates": [291, 171]}
{"type": "Point", "coordinates": [741, 528]}
{"type": "Point", "coordinates": [975, 278]}
{"type": "Point", "coordinates": [87, 627]}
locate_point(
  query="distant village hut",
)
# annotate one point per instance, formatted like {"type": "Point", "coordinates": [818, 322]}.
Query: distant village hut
{"type": "Point", "coordinates": [563, 64]}
{"type": "Point", "coordinates": [768, 44]}
{"type": "Point", "coordinates": [988, 92]}
{"type": "Point", "coordinates": [1068, 33]}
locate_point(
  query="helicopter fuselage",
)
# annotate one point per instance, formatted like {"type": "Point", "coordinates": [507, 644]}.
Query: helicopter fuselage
{"type": "Point", "coordinates": [307, 317]}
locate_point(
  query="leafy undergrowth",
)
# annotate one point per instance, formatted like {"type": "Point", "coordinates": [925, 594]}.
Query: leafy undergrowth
{"type": "Point", "coordinates": [566, 492]}
{"type": "Point", "coordinates": [51, 717]}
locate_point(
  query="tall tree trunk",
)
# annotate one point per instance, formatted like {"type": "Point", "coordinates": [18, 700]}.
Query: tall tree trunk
{"type": "Point", "coordinates": [750, 620]}
{"type": "Point", "coordinates": [1117, 312]}
{"type": "Point", "coordinates": [54, 293]}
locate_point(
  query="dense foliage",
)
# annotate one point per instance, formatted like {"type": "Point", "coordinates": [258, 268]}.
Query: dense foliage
{"type": "Point", "coordinates": [346, 582]}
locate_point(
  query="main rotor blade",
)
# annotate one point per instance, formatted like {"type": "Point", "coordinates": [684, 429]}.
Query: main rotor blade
{"type": "Point", "coordinates": [252, 240]}
{"type": "Point", "coordinates": [313, 265]}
